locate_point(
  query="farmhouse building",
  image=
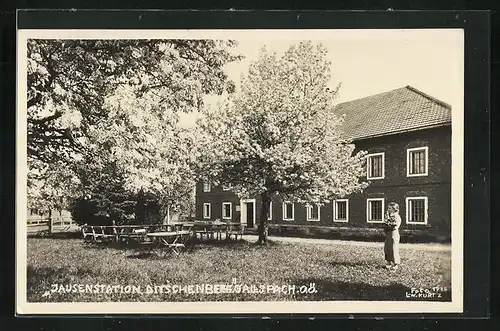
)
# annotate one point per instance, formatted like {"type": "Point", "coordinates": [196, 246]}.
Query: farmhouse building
{"type": "Point", "coordinates": [407, 135]}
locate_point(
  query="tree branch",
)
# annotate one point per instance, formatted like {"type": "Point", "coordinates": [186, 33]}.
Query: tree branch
{"type": "Point", "coordinates": [56, 115]}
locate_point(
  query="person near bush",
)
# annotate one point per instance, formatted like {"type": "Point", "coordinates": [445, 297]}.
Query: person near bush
{"type": "Point", "coordinates": [392, 222]}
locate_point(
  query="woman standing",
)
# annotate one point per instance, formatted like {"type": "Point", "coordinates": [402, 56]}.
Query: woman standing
{"type": "Point", "coordinates": [391, 247]}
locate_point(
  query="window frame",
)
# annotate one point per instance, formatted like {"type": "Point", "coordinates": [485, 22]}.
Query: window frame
{"type": "Point", "coordinates": [408, 161]}
{"type": "Point", "coordinates": [368, 210]}
{"type": "Point", "coordinates": [335, 212]}
{"type": "Point", "coordinates": [209, 210]}
{"type": "Point", "coordinates": [368, 165]}
{"type": "Point", "coordinates": [426, 210]}
{"type": "Point", "coordinates": [283, 207]}
{"type": "Point", "coordinates": [309, 208]}
{"type": "Point", "coordinates": [270, 212]}
{"type": "Point", "coordinates": [225, 203]}
{"type": "Point", "coordinates": [205, 184]}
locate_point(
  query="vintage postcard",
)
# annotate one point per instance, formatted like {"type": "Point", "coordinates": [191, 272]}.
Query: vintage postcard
{"type": "Point", "coordinates": [240, 171]}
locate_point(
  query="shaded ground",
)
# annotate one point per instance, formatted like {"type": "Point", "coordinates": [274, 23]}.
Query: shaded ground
{"type": "Point", "coordinates": [339, 271]}
{"type": "Point", "coordinates": [309, 241]}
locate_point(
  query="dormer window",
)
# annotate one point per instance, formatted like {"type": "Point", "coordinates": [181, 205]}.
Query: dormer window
{"type": "Point", "coordinates": [206, 186]}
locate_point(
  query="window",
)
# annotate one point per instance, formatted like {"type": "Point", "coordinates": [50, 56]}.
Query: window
{"type": "Point", "coordinates": [226, 210]}
{"type": "Point", "coordinates": [288, 211]}
{"type": "Point", "coordinates": [312, 212]}
{"type": "Point", "coordinates": [206, 210]}
{"type": "Point", "coordinates": [417, 161]}
{"type": "Point", "coordinates": [206, 186]}
{"type": "Point", "coordinates": [270, 212]}
{"type": "Point", "coordinates": [375, 210]}
{"type": "Point", "coordinates": [416, 210]}
{"type": "Point", "coordinates": [375, 166]}
{"type": "Point", "coordinates": [341, 210]}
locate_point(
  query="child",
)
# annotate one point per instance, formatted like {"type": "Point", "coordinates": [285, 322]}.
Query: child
{"type": "Point", "coordinates": [391, 246]}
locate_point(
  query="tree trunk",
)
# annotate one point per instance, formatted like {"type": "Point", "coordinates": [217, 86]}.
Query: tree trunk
{"type": "Point", "coordinates": [140, 208]}
{"type": "Point", "coordinates": [264, 212]}
{"type": "Point", "coordinates": [168, 214]}
{"type": "Point", "coordinates": [50, 220]}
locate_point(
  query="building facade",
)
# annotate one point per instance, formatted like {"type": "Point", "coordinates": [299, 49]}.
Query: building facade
{"type": "Point", "coordinates": [407, 135]}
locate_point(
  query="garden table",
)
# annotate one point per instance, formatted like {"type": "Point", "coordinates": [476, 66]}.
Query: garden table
{"type": "Point", "coordinates": [126, 233]}
{"type": "Point", "coordinates": [174, 240]}
{"type": "Point", "coordinates": [217, 228]}
{"type": "Point", "coordinates": [177, 226]}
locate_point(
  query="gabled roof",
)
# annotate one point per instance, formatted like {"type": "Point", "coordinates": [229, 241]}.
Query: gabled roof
{"type": "Point", "coordinates": [400, 110]}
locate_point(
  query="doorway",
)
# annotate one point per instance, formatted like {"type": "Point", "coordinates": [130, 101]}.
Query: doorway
{"type": "Point", "coordinates": [248, 212]}
{"type": "Point", "coordinates": [250, 215]}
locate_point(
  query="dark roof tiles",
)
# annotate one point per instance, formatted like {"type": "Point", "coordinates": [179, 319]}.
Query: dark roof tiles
{"type": "Point", "coordinates": [400, 110]}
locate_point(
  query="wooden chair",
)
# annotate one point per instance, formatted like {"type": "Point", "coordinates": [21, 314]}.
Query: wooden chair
{"type": "Point", "coordinates": [235, 230]}
{"type": "Point", "coordinates": [205, 228]}
{"type": "Point", "coordinates": [217, 229]}
{"type": "Point", "coordinates": [138, 235]}
{"type": "Point", "coordinates": [97, 236]}
{"type": "Point", "coordinates": [107, 234]}
{"type": "Point", "coordinates": [88, 235]}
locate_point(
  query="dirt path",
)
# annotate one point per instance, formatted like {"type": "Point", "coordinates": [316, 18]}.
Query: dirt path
{"type": "Point", "coordinates": [429, 247]}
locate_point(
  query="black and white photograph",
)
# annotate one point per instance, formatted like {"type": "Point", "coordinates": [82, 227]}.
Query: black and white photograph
{"type": "Point", "coordinates": [244, 171]}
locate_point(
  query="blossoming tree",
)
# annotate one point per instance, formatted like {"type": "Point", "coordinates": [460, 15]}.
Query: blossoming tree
{"type": "Point", "coordinates": [153, 152]}
{"type": "Point", "coordinates": [280, 135]}
{"type": "Point", "coordinates": [51, 187]}
{"type": "Point", "coordinates": [95, 105]}
{"type": "Point", "coordinates": [69, 80]}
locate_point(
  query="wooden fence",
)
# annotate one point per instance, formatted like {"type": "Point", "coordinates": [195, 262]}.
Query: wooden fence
{"type": "Point", "coordinates": [59, 224]}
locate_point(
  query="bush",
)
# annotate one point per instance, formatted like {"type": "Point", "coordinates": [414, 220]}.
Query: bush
{"type": "Point", "coordinates": [359, 234]}
{"type": "Point", "coordinates": [122, 208]}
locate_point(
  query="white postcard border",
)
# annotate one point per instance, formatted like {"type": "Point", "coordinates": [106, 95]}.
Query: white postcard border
{"type": "Point", "coordinates": [265, 307]}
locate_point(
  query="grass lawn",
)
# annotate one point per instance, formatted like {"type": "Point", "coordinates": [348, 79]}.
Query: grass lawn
{"type": "Point", "coordinates": [339, 272]}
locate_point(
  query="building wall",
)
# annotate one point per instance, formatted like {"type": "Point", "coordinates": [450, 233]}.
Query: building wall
{"type": "Point", "coordinates": [215, 197]}
{"type": "Point", "coordinates": [396, 186]}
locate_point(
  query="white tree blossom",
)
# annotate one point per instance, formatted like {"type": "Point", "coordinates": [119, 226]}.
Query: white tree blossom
{"type": "Point", "coordinates": [147, 143]}
{"type": "Point", "coordinates": [280, 134]}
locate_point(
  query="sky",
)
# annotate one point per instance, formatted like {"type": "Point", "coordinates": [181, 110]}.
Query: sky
{"type": "Point", "coordinates": [375, 61]}
{"type": "Point", "coordinates": [369, 67]}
